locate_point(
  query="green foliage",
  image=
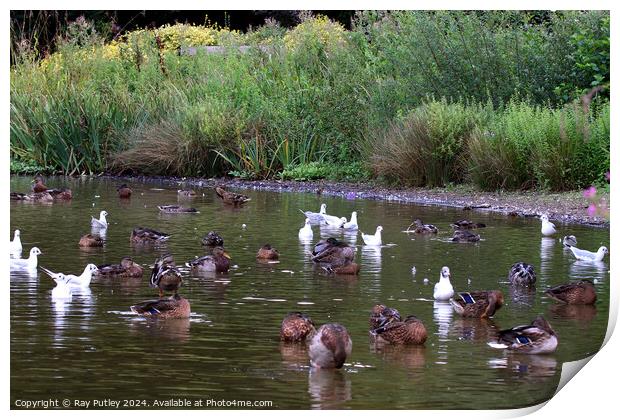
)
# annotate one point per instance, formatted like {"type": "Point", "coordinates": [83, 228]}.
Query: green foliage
{"type": "Point", "coordinates": [30, 167]}
{"type": "Point", "coordinates": [314, 170]}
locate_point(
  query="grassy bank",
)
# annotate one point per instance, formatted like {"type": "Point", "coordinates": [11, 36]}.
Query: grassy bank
{"type": "Point", "coordinates": [414, 97]}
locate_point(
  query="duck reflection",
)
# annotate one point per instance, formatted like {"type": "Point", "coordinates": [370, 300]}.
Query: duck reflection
{"type": "Point", "coordinates": [294, 355]}
{"type": "Point", "coordinates": [371, 258]}
{"type": "Point", "coordinates": [588, 270]}
{"type": "Point", "coordinates": [411, 357]}
{"type": "Point", "coordinates": [60, 309]}
{"type": "Point", "coordinates": [173, 329]}
{"type": "Point", "coordinates": [583, 314]}
{"type": "Point", "coordinates": [481, 330]}
{"type": "Point", "coordinates": [328, 388]}
{"type": "Point", "coordinates": [442, 315]}
{"type": "Point", "coordinates": [350, 237]}
{"type": "Point", "coordinates": [122, 285]}
{"type": "Point", "coordinates": [526, 366]}
{"type": "Point", "coordinates": [522, 296]}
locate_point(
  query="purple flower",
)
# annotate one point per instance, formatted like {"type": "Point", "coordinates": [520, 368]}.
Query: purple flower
{"type": "Point", "coordinates": [607, 175]}
{"type": "Point", "coordinates": [592, 209]}
{"type": "Point", "coordinates": [590, 192]}
{"type": "Point", "coordinates": [350, 196]}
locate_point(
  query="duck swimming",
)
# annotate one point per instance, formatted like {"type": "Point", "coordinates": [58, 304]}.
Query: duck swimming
{"type": "Point", "coordinates": [165, 276]}
{"type": "Point", "coordinates": [186, 193]}
{"type": "Point", "coordinates": [547, 228]}
{"type": "Point", "coordinates": [352, 223]}
{"type": "Point", "coordinates": [374, 240]}
{"type": "Point", "coordinates": [40, 197]}
{"type": "Point", "coordinates": [231, 198]}
{"type": "Point", "coordinates": [177, 209]}
{"type": "Point", "coordinates": [380, 314]}
{"type": "Point", "coordinates": [218, 262]}
{"type": "Point", "coordinates": [29, 263]}
{"type": "Point", "coordinates": [465, 236]}
{"type": "Point", "coordinates": [330, 347]}
{"type": "Point", "coordinates": [409, 331]}
{"type": "Point", "coordinates": [422, 229]}
{"type": "Point", "coordinates": [479, 304]}
{"type": "Point", "coordinates": [536, 338]}
{"type": "Point", "coordinates": [315, 218]}
{"type": "Point", "coordinates": [467, 224]}
{"type": "Point", "coordinates": [443, 289]}
{"type": "Point", "coordinates": [522, 274]}
{"type": "Point", "coordinates": [100, 223]}
{"type": "Point", "coordinates": [333, 252]}
{"type": "Point", "coordinates": [83, 280]}
{"type": "Point", "coordinates": [296, 326]}
{"type": "Point", "coordinates": [126, 268]}
{"type": "Point", "coordinates": [124, 191]}
{"type": "Point", "coordinates": [581, 292]}
{"type": "Point", "coordinates": [213, 239]}
{"type": "Point", "coordinates": [306, 231]}
{"type": "Point", "coordinates": [584, 255]}
{"type": "Point", "coordinates": [171, 307]}
{"type": "Point", "coordinates": [91, 240]}
{"type": "Point", "coordinates": [267, 252]}
{"type": "Point", "coordinates": [141, 235]}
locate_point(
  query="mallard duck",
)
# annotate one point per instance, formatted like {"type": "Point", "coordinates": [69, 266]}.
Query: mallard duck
{"type": "Point", "coordinates": [522, 274]}
{"type": "Point", "coordinates": [91, 240]}
{"type": "Point", "coordinates": [218, 262]}
{"type": "Point", "coordinates": [315, 218]}
{"type": "Point", "coordinates": [352, 223]}
{"type": "Point", "coordinates": [422, 229]}
{"type": "Point", "coordinates": [142, 235]}
{"type": "Point", "coordinates": [330, 347]}
{"type": "Point", "coordinates": [350, 268]}
{"type": "Point", "coordinates": [467, 224]}
{"type": "Point", "coordinates": [174, 306]}
{"type": "Point", "coordinates": [536, 338]}
{"type": "Point", "coordinates": [333, 252]}
{"type": "Point", "coordinates": [186, 193]}
{"type": "Point", "coordinates": [165, 276]}
{"type": "Point", "coordinates": [267, 252]}
{"type": "Point", "coordinates": [16, 244]}
{"type": "Point", "coordinates": [231, 198]}
{"type": "Point", "coordinates": [375, 239]}
{"type": "Point", "coordinates": [40, 197]}
{"type": "Point", "coordinates": [29, 263]}
{"type": "Point", "coordinates": [38, 185]}
{"type": "Point", "coordinates": [443, 289]}
{"type": "Point", "coordinates": [83, 280]}
{"type": "Point", "coordinates": [465, 236]}
{"type": "Point", "coordinates": [584, 255]}
{"type": "Point", "coordinates": [581, 292]}
{"type": "Point", "coordinates": [479, 304]}
{"type": "Point", "coordinates": [296, 326]}
{"type": "Point", "coordinates": [100, 223]}
{"type": "Point", "coordinates": [127, 268]}
{"type": "Point", "coordinates": [547, 228]}
{"type": "Point", "coordinates": [177, 209]}
{"type": "Point", "coordinates": [306, 231]}
{"type": "Point", "coordinates": [18, 196]}
{"type": "Point", "coordinates": [213, 239]}
{"type": "Point", "coordinates": [124, 191]}
{"type": "Point", "coordinates": [380, 314]}
{"type": "Point", "coordinates": [61, 194]}
{"type": "Point", "coordinates": [569, 241]}
{"type": "Point", "coordinates": [409, 331]}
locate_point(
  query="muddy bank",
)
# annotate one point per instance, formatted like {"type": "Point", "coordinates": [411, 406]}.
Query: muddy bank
{"type": "Point", "coordinates": [565, 207]}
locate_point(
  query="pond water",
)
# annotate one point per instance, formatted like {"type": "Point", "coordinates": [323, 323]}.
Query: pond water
{"type": "Point", "coordinates": [93, 348]}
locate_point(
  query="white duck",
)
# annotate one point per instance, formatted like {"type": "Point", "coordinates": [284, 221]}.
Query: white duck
{"type": "Point", "coordinates": [62, 289]}
{"type": "Point", "coordinates": [584, 255]}
{"type": "Point", "coordinates": [335, 222]}
{"type": "Point", "coordinates": [16, 244]}
{"type": "Point", "coordinates": [83, 280]}
{"type": "Point", "coordinates": [306, 231]}
{"type": "Point", "coordinates": [373, 239]}
{"type": "Point", "coordinates": [29, 263]}
{"type": "Point", "coordinates": [100, 223]}
{"type": "Point", "coordinates": [351, 224]}
{"type": "Point", "coordinates": [547, 228]}
{"type": "Point", "coordinates": [443, 290]}
{"type": "Point", "coordinates": [315, 218]}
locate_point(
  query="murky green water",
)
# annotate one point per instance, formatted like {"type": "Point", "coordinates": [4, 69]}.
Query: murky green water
{"type": "Point", "coordinates": [91, 348]}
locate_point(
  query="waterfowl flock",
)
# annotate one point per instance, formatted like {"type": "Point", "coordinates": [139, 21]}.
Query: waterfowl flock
{"type": "Point", "coordinates": [329, 345]}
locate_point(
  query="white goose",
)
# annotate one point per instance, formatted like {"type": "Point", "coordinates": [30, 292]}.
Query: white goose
{"type": "Point", "coordinates": [62, 289]}
{"type": "Point", "coordinates": [100, 223]}
{"type": "Point", "coordinates": [315, 218]}
{"type": "Point", "coordinates": [16, 244]}
{"type": "Point", "coordinates": [83, 280]}
{"type": "Point", "coordinates": [351, 224]}
{"type": "Point", "coordinates": [29, 263]}
{"type": "Point", "coordinates": [547, 227]}
{"type": "Point", "coordinates": [584, 255]}
{"type": "Point", "coordinates": [373, 239]}
{"type": "Point", "coordinates": [443, 290]}
{"type": "Point", "coordinates": [306, 231]}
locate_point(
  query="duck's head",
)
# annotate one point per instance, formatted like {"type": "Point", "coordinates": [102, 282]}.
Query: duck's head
{"type": "Point", "coordinates": [418, 222]}
{"type": "Point", "coordinates": [445, 273]}
{"type": "Point", "coordinates": [218, 251]}
{"type": "Point", "coordinates": [602, 249]}
{"type": "Point", "coordinates": [379, 229]}
{"type": "Point", "coordinates": [35, 251]}
{"type": "Point", "coordinates": [103, 214]}
{"type": "Point", "coordinates": [542, 323]}
{"type": "Point", "coordinates": [17, 233]}
{"type": "Point", "coordinates": [499, 297]}
{"type": "Point", "coordinates": [91, 268]}
{"type": "Point", "coordinates": [38, 179]}
{"type": "Point", "coordinates": [126, 262]}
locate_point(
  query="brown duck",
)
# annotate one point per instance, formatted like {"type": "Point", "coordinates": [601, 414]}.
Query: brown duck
{"type": "Point", "coordinates": [581, 292]}
{"type": "Point", "coordinates": [333, 252]}
{"type": "Point", "coordinates": [127, 268]}
{"type": "Point", "coordinates": [91, 240]}
{"type": "Point", "coordinates": [165, 276]}
{"type": "Point", "coordinates": [330, 347]}
{"type": "Point", "coordinates": [186, 193]}
{"type": "Point", "coordinates": [381, 314]}
{"type": "Point", "coordinates": [467, 224]}
{"type": "Point", "coordinates": [422, 229]}
{"type": "Point", "coordinates": [409, 331]}
{"type": "Point", "coordinates": [267, 252]}
{"type": "Point", "coordinates": [522, 274]}
{"type": "Point", "coordinates": [177, 209]}
{"type": "Point", "coordinates": [174, 306]}
{"type": "Point", "coordinates": [296, 326]}
{"type": "Point", "coordinates": [38, 185]}
{"type": "Point", "coordinates": [479, 304]}
{"type": "Point", "coordinates": [124, 191]}
{"type": "Point", "coordinates": [218, 261]}
{"type": "Point", "coordinates": [142, 235]}
{"type": "Point", "coordinates": [231, 198]}
{"type": "Point", "coordinates": [465, 236]}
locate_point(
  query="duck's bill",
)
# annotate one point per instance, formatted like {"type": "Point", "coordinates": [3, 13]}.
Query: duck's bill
{"type": "Point", "coordinates": [227, 255]}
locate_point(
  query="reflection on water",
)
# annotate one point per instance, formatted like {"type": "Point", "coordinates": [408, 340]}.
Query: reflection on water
{"type": "Point", "coordinates": [230, 345]}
